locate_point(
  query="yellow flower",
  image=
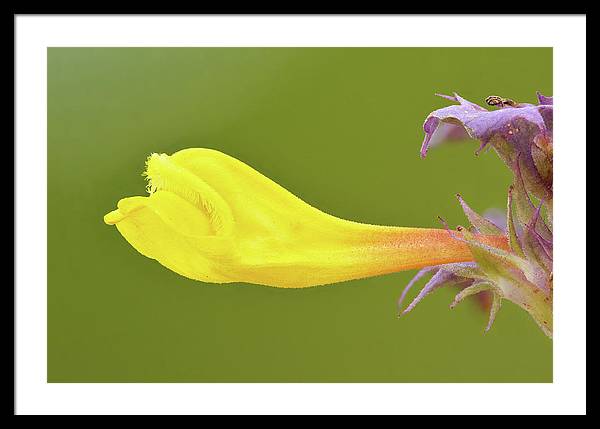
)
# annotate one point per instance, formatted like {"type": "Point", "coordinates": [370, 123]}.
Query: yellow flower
{"type": "Point", "coordinates": [212, 218]}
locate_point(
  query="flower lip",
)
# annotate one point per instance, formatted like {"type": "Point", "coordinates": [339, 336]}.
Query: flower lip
{"type": "Point", "coordinates": [125, 207]}
{"type": "Point", "coordinates": [114, 217]}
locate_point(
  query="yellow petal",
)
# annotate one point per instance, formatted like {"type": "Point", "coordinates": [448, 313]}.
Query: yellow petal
{"type": "Point", "coordinates": [210, 217]}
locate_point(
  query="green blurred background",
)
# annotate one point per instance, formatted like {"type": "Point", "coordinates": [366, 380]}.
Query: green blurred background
{"type": "Point", "coordinates": [341, 128]}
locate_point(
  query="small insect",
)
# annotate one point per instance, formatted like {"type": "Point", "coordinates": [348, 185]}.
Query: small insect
{"type": "Point", "coordinates": [494, 100]}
